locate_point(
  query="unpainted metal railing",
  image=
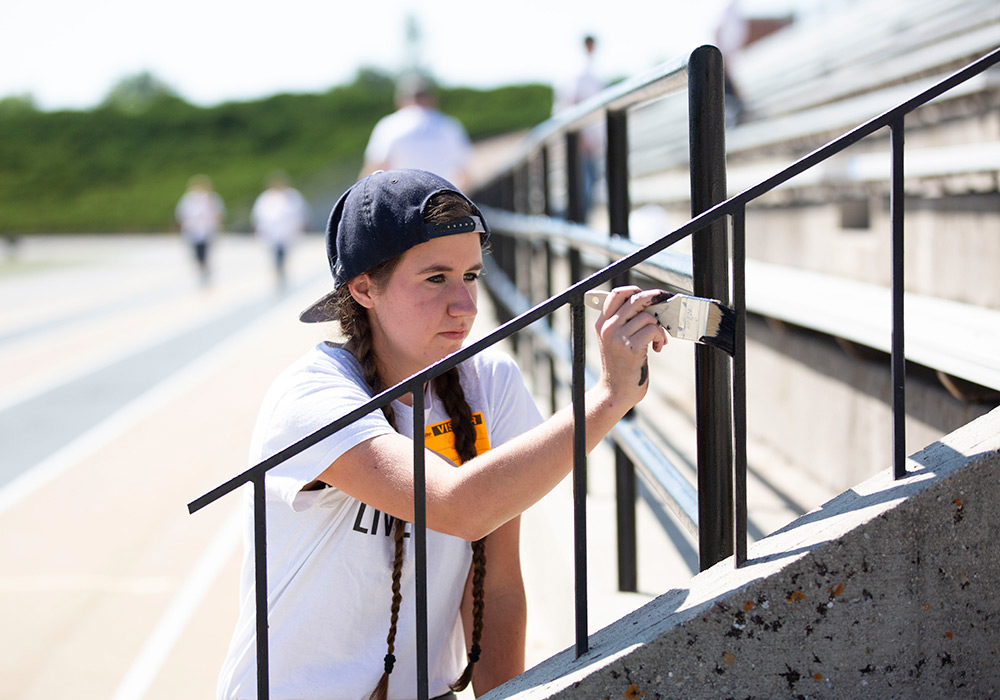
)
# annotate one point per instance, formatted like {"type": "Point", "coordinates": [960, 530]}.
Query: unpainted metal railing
{"type": "Point", "coordinates": [724, 376]}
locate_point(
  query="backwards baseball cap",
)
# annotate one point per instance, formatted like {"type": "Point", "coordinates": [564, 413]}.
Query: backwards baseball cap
{"type": "Point", "coordinates": [380, 217]}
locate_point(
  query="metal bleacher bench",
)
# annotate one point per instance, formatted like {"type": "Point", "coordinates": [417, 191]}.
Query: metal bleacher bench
{"type": "Point", "coordinates": [866, 47]}
{"type": "Point", "coordinates": [802, 89]}
{"type": "Point", "coordinates": [806, 85]}
{"type": "Point", "coordinates": [958, 340]}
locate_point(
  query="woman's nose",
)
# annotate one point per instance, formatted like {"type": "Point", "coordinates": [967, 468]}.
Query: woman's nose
{"type": "Point", "coordinates": [463, 302]}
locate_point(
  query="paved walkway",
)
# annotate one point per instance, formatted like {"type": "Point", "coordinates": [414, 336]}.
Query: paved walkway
{"type": "Point", "coordinates": [126, 391]}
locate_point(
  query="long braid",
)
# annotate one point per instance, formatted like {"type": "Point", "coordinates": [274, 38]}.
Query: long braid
{"type": "Point", "coordinates": [381, 690]}
{"type": "Point", "coordinates": [367, 359]}
{"type": "Point", "coordinates": [448, 387]}
{"type": "Point", "coordinates": [478, 603]}
{"type": "Point", "coordinates": [355, 324]}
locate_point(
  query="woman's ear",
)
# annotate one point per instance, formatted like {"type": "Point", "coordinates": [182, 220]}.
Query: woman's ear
{"type": "Point", "coordinates": [361, 289]}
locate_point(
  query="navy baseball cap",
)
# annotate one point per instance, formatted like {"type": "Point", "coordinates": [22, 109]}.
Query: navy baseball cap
{"type": "Point", "coordinates": [380, 217]}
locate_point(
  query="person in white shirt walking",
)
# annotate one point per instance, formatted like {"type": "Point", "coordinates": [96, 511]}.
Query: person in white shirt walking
{"type": "Point", "coordinates": [200, 213]}
{"type": "Point", "coordinates": [418, 135]}
{"type": "Point", "coordinates": [279, 217]}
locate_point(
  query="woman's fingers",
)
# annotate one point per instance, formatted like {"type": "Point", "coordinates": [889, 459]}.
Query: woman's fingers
{"type": "Point", "coordinates": [626, 333]}
{"type": "Point", "coordinates": [624, 308]}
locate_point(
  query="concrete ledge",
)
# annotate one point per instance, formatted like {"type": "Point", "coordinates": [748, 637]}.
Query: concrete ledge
{"type": "Point", "coordinates": [888, 590]}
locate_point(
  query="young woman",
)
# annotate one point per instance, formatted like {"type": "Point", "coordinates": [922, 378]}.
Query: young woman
{"type": "Point", "coordinates": [405, 248]}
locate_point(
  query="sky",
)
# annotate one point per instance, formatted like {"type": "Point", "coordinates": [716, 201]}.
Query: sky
{"type": "Point", "coordinates": [67, 54]}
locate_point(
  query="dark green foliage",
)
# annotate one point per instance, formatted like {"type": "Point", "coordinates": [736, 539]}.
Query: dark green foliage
{"type": "Point", "coordinates": [123, 166]}
{"type": "Point", "coordinates": [137, 93]}
{"type": "Point", "coordinates": [498, 111]}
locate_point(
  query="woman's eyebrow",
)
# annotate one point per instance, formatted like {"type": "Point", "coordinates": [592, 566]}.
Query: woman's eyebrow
{"type": "Point", "coordinates": [441, 267]}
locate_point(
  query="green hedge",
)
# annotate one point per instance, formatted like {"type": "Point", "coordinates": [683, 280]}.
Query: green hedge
{"type": "Point", "coordinates": [109, 170]}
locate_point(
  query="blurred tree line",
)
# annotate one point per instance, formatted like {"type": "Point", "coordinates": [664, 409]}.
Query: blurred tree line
{"type": "Point", "coordinates": [123, 165]}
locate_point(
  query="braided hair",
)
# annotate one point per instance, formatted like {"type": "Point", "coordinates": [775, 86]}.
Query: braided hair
{"type": "Point", "coordinates": [356, 327]}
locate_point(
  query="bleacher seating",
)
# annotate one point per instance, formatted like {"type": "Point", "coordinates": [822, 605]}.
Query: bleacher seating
{"type": "Point", "coordinates": [862, 48]}
{"type": "Point", "coordinates": [809, 83]}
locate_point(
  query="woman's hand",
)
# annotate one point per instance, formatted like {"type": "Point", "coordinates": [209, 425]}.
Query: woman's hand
{"type": "Point", "coordinates": [625, 332]}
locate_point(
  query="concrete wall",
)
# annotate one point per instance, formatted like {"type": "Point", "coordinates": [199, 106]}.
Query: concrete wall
{"type": "Point", "coordinates": [888, 590]}
{"type": "Point", "coordinates": [827, 408]}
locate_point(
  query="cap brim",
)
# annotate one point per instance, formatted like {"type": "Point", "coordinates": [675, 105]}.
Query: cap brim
{"type": "Point", "coordinates": [320, 311]}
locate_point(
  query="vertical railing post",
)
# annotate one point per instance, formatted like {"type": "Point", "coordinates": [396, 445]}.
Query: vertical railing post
{"type": "Point", "coordinates": [544, 186]}
{"type": "Point", "coordinates": [260, 582]}
{"type": "Point", "coordinates": [575, 265]}
{"type": "Point", "coordinates": [616, 174]}
{"type": "Point", "coordinates": [575, 182]}
{"type": "Point", "coordinates": [508, 251]}
{"type": "Point", "coordinates": [420, 539]}
{"type": "Point", "coordinates": [553, 368]}
{"type": "Point", "coordinates": [740, 387]}
{"type": "Point", "coordinates": [896, 206]}
{"type": "Point", "coordinates": [710, 266]}
{"type": "Point", "coordinates": [523, 261]}
{"type": "Point", "coordinates": [521, 188]}
{"type": "Point", "coordinates": [579, 473]}
{"type": "Point", "coordinates": [549, 283]}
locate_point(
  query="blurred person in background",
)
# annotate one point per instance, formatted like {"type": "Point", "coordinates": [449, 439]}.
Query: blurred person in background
{"type": "Point", "coordinates": [200, 213]}
{"type": "Point", "coordinates": [418, 135]}
{"type": "Point", "coordinates": [584, 84]}
{"type": "Point", "coordinates": [279, 217]}
{"type": "Point", "coordinates": [731, 35]}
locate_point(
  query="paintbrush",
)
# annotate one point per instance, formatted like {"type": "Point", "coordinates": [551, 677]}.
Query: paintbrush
{"type": "Point", "coordinates": [705, 321]}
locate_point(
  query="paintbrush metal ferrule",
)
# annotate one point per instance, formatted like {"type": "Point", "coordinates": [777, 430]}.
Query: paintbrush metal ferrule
{"type": "Point", "coordinates": [692, 316]}
{"type": "Point", "coordinates": [686, 317]}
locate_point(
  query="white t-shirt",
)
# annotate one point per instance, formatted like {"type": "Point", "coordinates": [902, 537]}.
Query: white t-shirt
{"type": "Point", "coordinates": [279, 215]}
{"type": "Point", "coordinates": [199, 214]}
{"type": "Point", "coordinates": [330, 556]}
{"type": "Point", "coordinates": [416, 136]}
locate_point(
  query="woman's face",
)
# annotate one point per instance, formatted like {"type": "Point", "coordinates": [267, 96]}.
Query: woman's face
{"type": "Point", "coordinates": [426, 309]}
